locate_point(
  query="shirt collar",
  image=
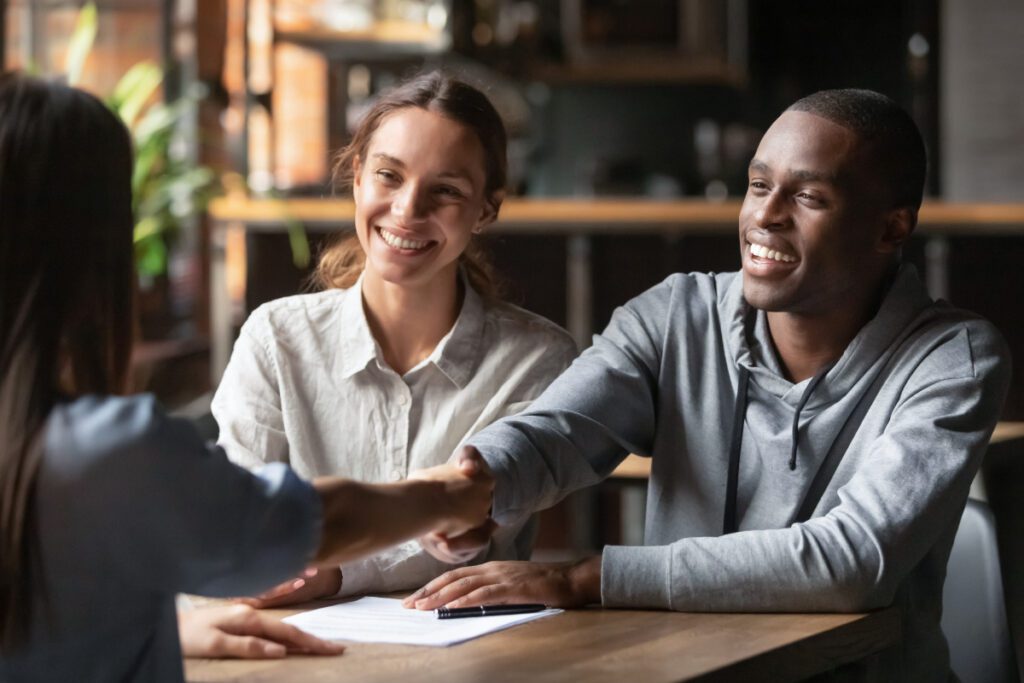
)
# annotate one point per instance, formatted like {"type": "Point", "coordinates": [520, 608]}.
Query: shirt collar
{"type": "Point", "coordinates": [458, 353]}
{"type": "Point", "coordinates": [357, 343]}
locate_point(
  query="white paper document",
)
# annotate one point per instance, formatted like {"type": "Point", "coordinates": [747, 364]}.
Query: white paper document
{"type": "Point", "coordinates": [384, 620]}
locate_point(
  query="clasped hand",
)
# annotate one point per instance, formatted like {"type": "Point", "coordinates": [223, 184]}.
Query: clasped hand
{"type": "Point", "coordinates": [461, 545]}
{"type": "Point", "coordinates": [466, 501]}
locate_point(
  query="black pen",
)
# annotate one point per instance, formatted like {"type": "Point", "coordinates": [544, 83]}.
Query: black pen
{"type": "Point", "coordinates": [486, 610]}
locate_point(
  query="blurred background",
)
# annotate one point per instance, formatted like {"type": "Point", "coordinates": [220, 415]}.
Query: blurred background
{"type": "Point", "coordinates": [631, 125]}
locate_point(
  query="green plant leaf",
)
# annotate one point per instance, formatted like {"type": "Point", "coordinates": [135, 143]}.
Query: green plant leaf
{"type": "Point", "coordinates": [151, 256]}
{"type": "Point", "coordinates": [159, 118]}
{"type": "Point", "coordinates": [145, 229]}
{"type": "Point", "coordinates": [167, 190]}
{"type": "Point", "coordinates": [134, 89]}
{"type": "Point", "coordinates": [299, 242]}
{"type": "Point", "coordinates": [80, 45]}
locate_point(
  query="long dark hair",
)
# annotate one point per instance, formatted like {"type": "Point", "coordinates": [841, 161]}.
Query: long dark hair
{"type": "Point", "coordinates": [65, 294]}
{"type": "Point", "coordinates": [435, 91]}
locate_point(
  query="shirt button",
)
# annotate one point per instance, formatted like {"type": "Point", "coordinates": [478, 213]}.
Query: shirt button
{"type": "Point", "coordinates": [403, 399]}
{"type": "Point", "coordinates": [396, 475]}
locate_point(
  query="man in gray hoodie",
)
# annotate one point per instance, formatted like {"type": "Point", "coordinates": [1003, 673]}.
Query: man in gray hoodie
{"type": "Point", "coordinates": [813, 422]}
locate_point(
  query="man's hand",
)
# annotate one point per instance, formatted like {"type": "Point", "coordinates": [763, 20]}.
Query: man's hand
{"type": "Point", "coordinates": [495, 583]}
{"type": "Point", "coordinates": [311, 585]}
{"type": "Point", "coordinates": [242, 632]}
{"type": "Point", "coordinates": [468, 486]}
{"type": "Point", "coordinates": [461, 548]}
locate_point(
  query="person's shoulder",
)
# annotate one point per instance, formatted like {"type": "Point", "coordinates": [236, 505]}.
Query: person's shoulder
{"type": "Point", "coordinates": [93, 431]}
{"type": "Point", "coordinates": [518, 325]}
{"type": "Point", "coordinates": [960, 341]}
{"type": "Point", "coordinates": [681, 292]}
{"type": "Point", "coordinates": [295, 314]}
{"type": "Point", "coordinates": [710, 284]}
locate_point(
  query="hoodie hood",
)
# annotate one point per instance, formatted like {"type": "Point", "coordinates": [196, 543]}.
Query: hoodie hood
{"type": "Point", "coordinates": [849, 377]}
{"type": "Point", "coordinates": [750, 344]}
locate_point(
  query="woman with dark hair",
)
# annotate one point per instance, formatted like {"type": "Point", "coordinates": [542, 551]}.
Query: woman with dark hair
{"type": "Point", "coordinates": [107, 506]}
{"type": "Point", "coordinates": [407, 351]}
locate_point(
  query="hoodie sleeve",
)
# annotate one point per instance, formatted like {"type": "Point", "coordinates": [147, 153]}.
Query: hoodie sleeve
{"type": "Point", "coordinates": [891, 512]}
{"type": "Point", "coordinates": [599, 410]}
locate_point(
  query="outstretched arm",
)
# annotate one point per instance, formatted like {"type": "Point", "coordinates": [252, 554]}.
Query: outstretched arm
{"type": "Point", "coordinates": [359, 519]}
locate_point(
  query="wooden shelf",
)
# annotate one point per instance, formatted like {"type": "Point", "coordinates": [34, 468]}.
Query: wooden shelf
{"type": "Point", "coordinates": [595, 216]}
{"type": "Point", "coordinates": [383, 38]}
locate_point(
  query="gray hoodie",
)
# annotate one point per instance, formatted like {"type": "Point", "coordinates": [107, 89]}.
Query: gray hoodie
{"type": "Point", "coordinates": [860, 515]}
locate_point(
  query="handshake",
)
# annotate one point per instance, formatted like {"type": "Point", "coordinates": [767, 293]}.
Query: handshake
{"type": "Point", "coordinates": [468, 483]}
{"type": "Point", "coordinates": [447, 507]}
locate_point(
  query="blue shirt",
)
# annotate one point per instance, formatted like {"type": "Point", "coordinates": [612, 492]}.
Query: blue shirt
{"type": "Point", "coordinates": [133, 507]}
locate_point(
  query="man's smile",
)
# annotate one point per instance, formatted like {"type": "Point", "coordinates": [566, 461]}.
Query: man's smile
{"type": "Point", "coordinates": [764, 252]}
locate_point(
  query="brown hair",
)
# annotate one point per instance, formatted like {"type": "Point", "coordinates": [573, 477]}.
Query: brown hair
{"type": "Point", "coordinates": [343, 261]}
{"type": "Point", "coordinates": [65, 295]}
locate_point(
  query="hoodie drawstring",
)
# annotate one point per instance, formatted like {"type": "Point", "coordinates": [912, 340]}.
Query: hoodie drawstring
{"type": "Point", "coordinates": [736, 442]}
{"type": "Point", "coordinates": [738, 414]}
{"type": "Point", "coordinates": [796, 416]}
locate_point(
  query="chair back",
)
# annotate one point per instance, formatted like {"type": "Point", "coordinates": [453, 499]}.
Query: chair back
{"type": "Point", "coordinates": [973, 610]}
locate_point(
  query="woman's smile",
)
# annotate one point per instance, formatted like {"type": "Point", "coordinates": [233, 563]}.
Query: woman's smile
{"type": "Point", "coordinates": [403, 244]}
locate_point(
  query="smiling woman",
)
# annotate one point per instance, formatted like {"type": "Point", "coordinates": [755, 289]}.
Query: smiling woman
{"type": "Point", "coordinates": [465, 110]}
{"type": "Point", "coordinates": [408, 351]}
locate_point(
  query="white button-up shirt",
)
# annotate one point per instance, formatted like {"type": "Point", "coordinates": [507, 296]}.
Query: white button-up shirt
{"type": "Point", "coordinates": [307, 385]}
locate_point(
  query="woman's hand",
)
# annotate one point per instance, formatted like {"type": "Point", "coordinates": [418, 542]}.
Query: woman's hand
{"type": "Point", "coordinates": [313, 584]}
{"type": "Point", "coordinates": [496, 583]}
{"type": "Point", "coordinates": [242, 632]}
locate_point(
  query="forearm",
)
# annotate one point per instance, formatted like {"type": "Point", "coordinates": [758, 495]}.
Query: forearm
{"type": "Point", "coordinates": [360, 519]}
{"type": "Point", "coordinates": [762, 571]}
{"type": "Point", "coordinates": [580, 428]}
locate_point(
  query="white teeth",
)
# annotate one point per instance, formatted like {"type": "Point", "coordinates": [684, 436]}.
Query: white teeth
{"type": "Point", "coordinates": [399, 243]}
{"type": "Point", "coordinates": [764, 252]}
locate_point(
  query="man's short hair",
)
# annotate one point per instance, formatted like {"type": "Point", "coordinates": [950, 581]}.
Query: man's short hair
{"type": "Point", "coordinates": [894, 140]}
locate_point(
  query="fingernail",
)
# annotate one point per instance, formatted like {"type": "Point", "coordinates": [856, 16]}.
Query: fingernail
{"type": "Point", "coordinates": [274, 650]}
{"type": "Point", "coordinates": [298, 583]}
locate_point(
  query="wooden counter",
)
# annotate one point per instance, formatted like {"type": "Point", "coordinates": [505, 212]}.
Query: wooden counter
{"type": "Point", "coordinates": [589, 216]}
{"type": "Point", "coordinates": [578, 220]}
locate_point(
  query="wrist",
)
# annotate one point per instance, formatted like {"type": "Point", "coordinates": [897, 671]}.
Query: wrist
{"type": "Point", "coordinates": [585, 581]}
{"type": "Point", "coordinates": [434, 507]}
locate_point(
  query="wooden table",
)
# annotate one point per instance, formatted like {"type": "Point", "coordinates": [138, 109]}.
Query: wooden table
{"type": "Point", "coordinates": [597, 645]}
{"type": "Point", "coordinates": [635, 467]}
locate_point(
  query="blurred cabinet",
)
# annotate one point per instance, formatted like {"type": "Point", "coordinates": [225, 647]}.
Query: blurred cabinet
{"type": "Point", "coordinates": [655, 41]}
{"type": "Point", "coordinates": [297, 78]}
